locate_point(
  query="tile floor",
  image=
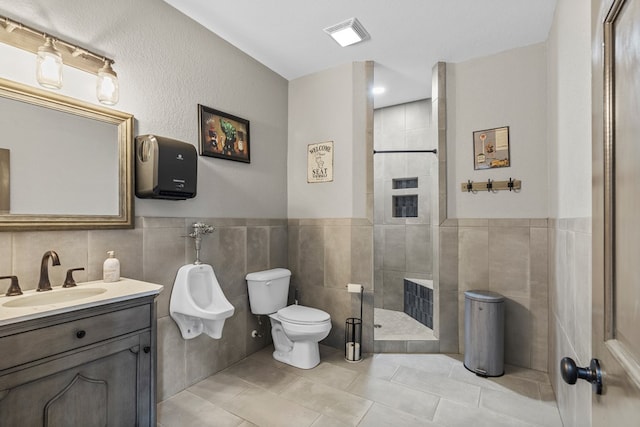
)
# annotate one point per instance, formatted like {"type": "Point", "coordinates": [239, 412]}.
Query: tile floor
{"type": "Point", "coordinates": [382, 390]}
{"type": "Point", "coordinates": [397, 325]}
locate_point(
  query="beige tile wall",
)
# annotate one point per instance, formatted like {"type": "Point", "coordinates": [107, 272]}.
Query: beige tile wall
{"type": "Point", "coordinates": [508, 256]}
{"type": "Point", "coordinates": [154, 251]}
{"type": "Point", "coordinates": [570, 248]}
{"type": "Point", "coordinates": [445, 317]}
{"type": "Point", "coordinates": [324, 256]}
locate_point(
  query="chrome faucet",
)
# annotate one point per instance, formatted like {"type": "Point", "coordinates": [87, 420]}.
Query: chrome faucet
{"type": "Point", "coordinates": [44, 284]}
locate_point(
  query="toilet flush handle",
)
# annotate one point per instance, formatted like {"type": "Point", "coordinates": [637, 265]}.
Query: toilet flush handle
{"type": "Point", "coordinates": [268, 283]}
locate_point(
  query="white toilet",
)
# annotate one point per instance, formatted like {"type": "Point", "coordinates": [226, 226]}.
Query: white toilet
{"type": "Point", "coordinates": [296, 329]}
{"type": "Point", "coordinates": [198, 304]}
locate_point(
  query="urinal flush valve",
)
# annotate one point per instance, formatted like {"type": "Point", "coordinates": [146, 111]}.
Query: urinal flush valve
{"type": "Point", "coordinates": [199, 230]}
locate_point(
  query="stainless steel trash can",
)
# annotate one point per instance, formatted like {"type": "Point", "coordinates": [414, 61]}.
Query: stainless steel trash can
{"type": "Point", "coordinates": [484, 333]}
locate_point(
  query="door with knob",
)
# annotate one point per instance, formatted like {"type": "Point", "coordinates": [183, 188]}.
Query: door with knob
{"type": "Point", "coordinates": [616, 204]}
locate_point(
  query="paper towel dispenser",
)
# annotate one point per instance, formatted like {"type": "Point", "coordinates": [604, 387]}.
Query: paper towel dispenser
{"type": "Point", "coordinates": [165, 168]}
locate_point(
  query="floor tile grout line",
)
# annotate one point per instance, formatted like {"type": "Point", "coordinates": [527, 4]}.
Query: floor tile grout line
{"type": "Point", "coordinates": [208, 402]}
{"type": "Point", "coordinates": [316, 419]}
{"type": "Point", "coordinates": [365, 413]}
{"type": "Point", "coordinates": [435, 411]}
{"type": "Point", "coordinates": [433, 393]}
{"type": "Point", "coordinates": [409, 413]}
{"type": "Point", "coordinates": [503, 415]}
{"type": "Point", "coordinates": [416, 389]}
{"type": "Point", "coordinates": [511, 417]}
{"type": "Point", "coordinates": [267, 390]}
{"type": "Point", "coordinates": [536, 384]}
{"type": "Point", "coordinates": [301, 378]}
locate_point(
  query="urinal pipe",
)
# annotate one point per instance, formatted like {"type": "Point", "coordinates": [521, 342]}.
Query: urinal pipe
{"type": "Point", "coordinates": [198, 242]}
{"type": "Point", "coordinates": [199, 229]}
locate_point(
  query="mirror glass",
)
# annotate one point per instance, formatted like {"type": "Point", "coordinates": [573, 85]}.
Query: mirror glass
{"type": "Point", "coordinates": [68, 162]}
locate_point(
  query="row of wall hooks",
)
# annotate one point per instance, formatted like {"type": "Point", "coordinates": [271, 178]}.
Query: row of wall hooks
{"type": "Point", "coordinates": [491, 186]}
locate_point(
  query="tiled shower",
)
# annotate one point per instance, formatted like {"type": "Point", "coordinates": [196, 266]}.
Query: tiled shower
{"type": "Point", "coordinates": [405, 198]}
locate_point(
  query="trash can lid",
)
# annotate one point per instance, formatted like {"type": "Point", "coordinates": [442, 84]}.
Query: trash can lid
{"type": "Point", "coordinates": [484, 296]}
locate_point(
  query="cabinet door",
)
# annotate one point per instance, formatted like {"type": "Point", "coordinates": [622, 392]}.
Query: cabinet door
{"type": "Point", "coordinates": [98, 386]}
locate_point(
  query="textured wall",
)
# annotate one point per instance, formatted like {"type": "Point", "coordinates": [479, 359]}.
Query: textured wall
{"type": "Point", "coordinates": [569, 110]}
{"type": "Point", "coordinates": [331, 105]}
{"type": "Point", "coordinates": [167, 64]}
{"type": "Point", "coordinates": [506, 89]}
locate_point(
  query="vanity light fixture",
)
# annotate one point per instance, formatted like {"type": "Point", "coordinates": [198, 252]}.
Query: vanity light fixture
{"type": "Point", "coordinates": [347, 32]}
{"type": "Point", "coordinates": [49, 65]}
{"type": "Point", "coordinates": [107, 87]}
{"type": "Point", "coordinates": [53, 52]}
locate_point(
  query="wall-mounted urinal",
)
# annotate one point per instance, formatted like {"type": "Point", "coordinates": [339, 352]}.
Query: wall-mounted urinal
{"type": "Point", "coordinates": [198, 304]}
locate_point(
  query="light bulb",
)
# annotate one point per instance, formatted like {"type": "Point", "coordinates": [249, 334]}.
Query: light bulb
{"type": "Point", "coordinates": [107, 87]}
{"type": "Point", "coordinates": [49, 66]}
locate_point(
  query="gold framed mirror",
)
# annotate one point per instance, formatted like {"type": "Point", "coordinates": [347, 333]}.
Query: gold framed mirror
{"type": "Point", "coordinates": [69, 163]}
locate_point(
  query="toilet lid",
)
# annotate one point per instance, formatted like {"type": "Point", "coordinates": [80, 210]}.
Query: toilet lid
{"type": "Point", "coordinates": [301, 314]}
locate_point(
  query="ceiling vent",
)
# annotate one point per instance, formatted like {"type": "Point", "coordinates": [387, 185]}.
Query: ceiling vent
{"type": "Point", "coordinates": [348, 32]}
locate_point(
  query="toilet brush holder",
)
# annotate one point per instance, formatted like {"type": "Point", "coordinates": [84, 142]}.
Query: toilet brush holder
{"type": "Point", "coordinates": [353, 340]}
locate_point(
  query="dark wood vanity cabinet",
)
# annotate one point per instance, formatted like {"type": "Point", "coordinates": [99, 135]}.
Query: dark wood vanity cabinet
{"type": "Point", "coordinates": [91, 367]}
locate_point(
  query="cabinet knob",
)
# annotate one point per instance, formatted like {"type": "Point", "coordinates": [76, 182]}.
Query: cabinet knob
{"type": "Point", "coordinates": [146, 349]}
{"type": "Point", "coordinates": [80, 334]}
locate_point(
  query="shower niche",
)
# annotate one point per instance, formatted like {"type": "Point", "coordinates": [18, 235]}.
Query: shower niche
{"type": "Point", "coordinates": [405, 206]}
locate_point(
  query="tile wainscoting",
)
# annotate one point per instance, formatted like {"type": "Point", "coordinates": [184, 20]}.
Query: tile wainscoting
{"type": "Point", "coordinates": [508, 256]}
{"type": "Point", "coordinates": [570, 282]}
{"type": "Point", "coordinates": [154, 251]}
{"type": "Point", "coordinates": [324, 256]}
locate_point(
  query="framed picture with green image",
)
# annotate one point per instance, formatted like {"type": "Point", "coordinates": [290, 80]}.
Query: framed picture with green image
{"type": "Point", "coordinates": [223, 135]}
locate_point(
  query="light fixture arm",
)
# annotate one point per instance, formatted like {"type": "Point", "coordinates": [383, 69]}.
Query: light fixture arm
{"type": "Point", "coordinates": [28, 38]}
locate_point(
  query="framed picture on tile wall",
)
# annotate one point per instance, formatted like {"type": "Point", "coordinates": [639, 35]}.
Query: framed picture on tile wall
{"type": "Point", "coordinates": [223, 135]}
{"type": "Point", "coordinates": [491, 148]}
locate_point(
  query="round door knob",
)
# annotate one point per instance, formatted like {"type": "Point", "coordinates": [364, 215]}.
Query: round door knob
{"type": "Point", "coordinates": [569, 370]}
{"type": "Point", "coordinates": [571, 373]}
{"type": "Point", "coordinates": [80, 334]}
{"type": "Point", "coordinates": [146, 349]}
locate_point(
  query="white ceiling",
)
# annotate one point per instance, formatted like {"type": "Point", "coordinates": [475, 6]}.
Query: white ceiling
{"type": "Point", "coordinates": [407, 36]}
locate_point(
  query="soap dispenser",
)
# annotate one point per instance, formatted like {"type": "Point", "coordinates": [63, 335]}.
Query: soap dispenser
{"type": "Point", "coordinates": [111, 268]}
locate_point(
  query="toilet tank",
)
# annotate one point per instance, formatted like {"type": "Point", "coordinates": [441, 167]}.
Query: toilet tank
{"type": "Point", "coordinates": [268, 290]}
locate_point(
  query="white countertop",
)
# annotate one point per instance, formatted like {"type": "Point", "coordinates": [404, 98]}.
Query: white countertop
{"type": "Point", "coordinates": [124, 289]}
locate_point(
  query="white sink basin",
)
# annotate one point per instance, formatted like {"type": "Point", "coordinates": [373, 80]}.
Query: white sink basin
{"type": "Point", "coordinates": [53, 297]}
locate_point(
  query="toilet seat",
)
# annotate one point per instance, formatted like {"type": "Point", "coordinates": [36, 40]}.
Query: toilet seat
{"type": "Point", "coordinates": [301, 315]}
